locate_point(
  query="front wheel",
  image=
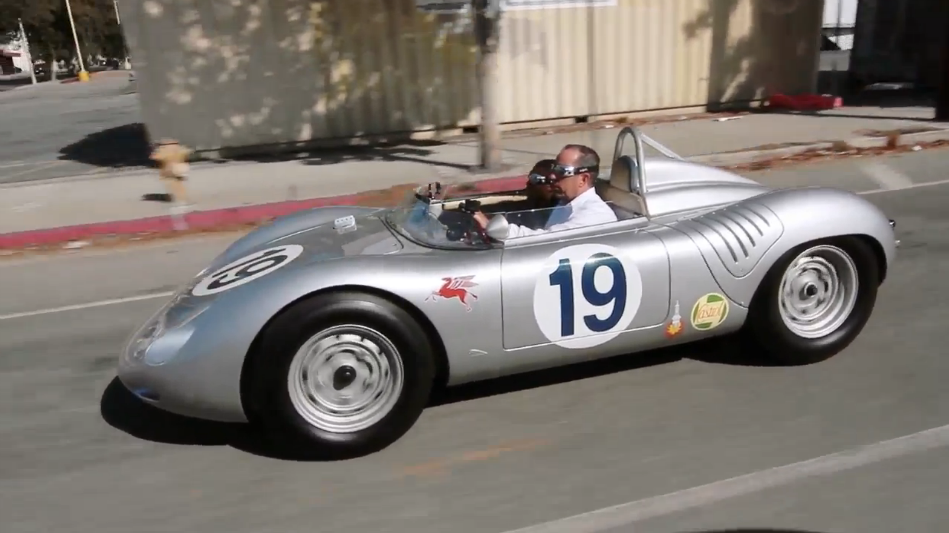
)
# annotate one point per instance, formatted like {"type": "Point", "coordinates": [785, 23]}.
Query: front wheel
{"type": "Point", "coordinates": [343, 374]}
{"type": "Point", "coordinates": [815, 300]}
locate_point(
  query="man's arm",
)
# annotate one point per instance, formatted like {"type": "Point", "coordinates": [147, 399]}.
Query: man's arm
{"type": "Point", "coordinates": [577, 219]}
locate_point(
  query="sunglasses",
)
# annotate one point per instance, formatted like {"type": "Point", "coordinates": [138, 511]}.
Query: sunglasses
{"type": "Point", "coordinates": [566, 171]}
{"type": "Point", "coordinates": [536, 178]}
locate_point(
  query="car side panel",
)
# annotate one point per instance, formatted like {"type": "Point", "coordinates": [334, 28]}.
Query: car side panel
{"type": "Point", "coordinates": [686, 282]}
{"type": "Point", "coordinates": [525, 270]}
{"type": "Point", "coordinates": [691, 281]}
{"type": "Point", "coordinates": [733, 241]}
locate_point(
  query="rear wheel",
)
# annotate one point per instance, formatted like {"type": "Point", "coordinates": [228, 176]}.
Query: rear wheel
{"type": "Point", "coordinates": [343, 374]}
{"type": "Point", "coordinates": [815, 300]}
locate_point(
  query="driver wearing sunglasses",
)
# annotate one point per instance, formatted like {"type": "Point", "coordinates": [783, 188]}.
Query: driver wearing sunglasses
{"type": "Point", "coordinates": [572, 180]}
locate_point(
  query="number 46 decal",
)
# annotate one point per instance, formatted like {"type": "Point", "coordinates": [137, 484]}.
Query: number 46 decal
{"type": "Point", "coordinates": [586, 295]}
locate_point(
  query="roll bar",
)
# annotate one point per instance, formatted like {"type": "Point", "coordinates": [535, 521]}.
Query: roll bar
{"type": "Point", "coordinates": [639, 139]}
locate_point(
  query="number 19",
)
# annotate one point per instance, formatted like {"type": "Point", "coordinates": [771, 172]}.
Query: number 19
{"type": "Point", "coordinates": [616, 294]}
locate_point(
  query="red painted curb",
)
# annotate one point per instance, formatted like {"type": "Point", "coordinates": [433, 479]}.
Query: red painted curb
{"type": "Point", "coordinates": [207, 220]}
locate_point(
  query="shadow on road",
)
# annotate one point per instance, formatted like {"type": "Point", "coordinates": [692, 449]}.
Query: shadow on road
{"type": "Point", "coordinates": [750, 530]}
{"type": "Point", "coordinates": [725, 350]}
{"type": "Point", "coordinates": [125, 412]}
{"type": "Point", "coordinates": [118, 147]}
{"type": "Point", "coordinates": [396, 149]}
{"type": "Point", "coordinates": [128, 146]}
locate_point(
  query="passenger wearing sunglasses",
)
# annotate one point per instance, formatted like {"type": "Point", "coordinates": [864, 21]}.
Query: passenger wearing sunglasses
{"type": "Point", "coordinates": [573, 177]}
{"type": "Point", "coordinates": [540, 190]}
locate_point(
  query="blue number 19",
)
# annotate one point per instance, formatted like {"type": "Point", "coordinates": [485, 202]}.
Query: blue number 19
{"type": "Point", "coordinates": [616, 294]}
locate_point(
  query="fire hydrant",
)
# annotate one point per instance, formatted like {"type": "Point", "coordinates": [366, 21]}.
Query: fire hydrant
{"type": "Point", "coordinates": [172, 159]}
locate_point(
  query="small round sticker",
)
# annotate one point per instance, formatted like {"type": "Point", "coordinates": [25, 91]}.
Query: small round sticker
{"type": "Point", "coordinates": [586, 295]}
{"type": "Point", "coordinates": [247, 269]}
{"type": "Point", "coordinates": [709, 312]}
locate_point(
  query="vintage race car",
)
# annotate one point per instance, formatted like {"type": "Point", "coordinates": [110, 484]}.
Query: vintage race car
{"type": "Point", "coordinates": [332, 326]}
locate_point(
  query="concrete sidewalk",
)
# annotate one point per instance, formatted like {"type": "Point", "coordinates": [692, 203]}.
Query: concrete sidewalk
{"type": "Point", "coordinates": [231, 186]}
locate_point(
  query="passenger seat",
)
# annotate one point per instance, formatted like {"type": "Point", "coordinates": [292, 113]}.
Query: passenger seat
{"type": "Point", "coordinates": [618, 191]}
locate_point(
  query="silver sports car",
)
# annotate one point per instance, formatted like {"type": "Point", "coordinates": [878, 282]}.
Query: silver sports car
{"type": "Point", "coordinates": [332, 326]}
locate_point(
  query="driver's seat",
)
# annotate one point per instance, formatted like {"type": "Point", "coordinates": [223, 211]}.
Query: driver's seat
{"type": "Point", "coordinates": [623, 189]}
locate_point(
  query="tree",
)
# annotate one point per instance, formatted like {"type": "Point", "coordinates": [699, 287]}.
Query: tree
{"type": "Point", "coordinates": [47, 27]}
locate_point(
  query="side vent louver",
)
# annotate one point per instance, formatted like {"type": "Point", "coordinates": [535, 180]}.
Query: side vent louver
{"type": "Point", "coordinates": [740, 234]}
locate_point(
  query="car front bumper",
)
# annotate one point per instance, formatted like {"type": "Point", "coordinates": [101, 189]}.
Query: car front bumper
{"type": "Point", "coordinates": [177, 367]}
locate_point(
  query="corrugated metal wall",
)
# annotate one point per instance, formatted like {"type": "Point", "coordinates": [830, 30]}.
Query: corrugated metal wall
{"type": "Point", "coordinates": [228, 73]}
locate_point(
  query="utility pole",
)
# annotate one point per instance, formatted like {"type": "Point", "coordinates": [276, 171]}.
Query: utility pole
{"type": "Point", "coordinates": [836, 78]}
{"type": "Point", "coordinates": [83, 75]}
{"type": "Point", "coordinates": [942, 99]}
{"type": "Point", "coordinates": [486, 27]}
{"type": "Point", "coordinates": [127, 65]}
{"type": "Point", "coordinates": [25, 46]}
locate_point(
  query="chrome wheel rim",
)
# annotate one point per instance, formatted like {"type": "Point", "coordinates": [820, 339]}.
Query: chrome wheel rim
{"type": "Point", "coordinates": [345, 379]}
{"type": "Point", "coordinates": [818, 291]}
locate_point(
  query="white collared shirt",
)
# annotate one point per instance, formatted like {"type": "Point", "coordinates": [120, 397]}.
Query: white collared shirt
{"type": "Point", "coordinates": [588, 209]}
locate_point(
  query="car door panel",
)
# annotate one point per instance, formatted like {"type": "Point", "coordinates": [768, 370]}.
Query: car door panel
{"type": "Point", "coordinates": [581, 294]}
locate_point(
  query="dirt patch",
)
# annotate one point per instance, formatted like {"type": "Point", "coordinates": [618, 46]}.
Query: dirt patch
{"type": "Point", "coordinates": [611, 123]}
{"type": "Point", "coordinates": [772, 146]}
{"type": "Point", "coordinates": [839, 150]}
{"type": "Point", "coordinates": [893, 137]}
{"type": "Point", "coordinates": [899, 131]}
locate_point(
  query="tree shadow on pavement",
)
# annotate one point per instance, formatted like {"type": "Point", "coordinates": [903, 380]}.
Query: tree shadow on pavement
{"type": "Point", "coordinates": [412, 151]}
{"type": "Point", "coordinates": [124, 411]}
{"type": "Point", "coordinates": [119, 147]}
{"type": "Point", "coordinates": [128, 146]}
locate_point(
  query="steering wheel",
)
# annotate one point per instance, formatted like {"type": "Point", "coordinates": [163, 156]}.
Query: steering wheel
{"type": "Point", "coordinates": [471, 207]}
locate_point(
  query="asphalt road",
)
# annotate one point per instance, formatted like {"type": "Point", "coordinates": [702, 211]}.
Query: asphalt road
{"type": "Point", "coordinates": [54, 130]}
{"type": "Point", "coordinates": [661, 435]}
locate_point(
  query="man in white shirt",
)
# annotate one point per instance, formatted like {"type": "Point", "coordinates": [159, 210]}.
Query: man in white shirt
{"type": "Point", "coordinates": [574, 173]}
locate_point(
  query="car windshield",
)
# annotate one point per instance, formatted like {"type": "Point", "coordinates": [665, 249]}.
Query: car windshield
{"type": "Point", "coordinates": [420, 218]}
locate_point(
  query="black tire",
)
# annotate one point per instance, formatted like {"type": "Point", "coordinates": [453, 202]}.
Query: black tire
{"type": "Point", "coordinates": [768, 332]}
{"type": "Point", "coordinates": [289, 331]}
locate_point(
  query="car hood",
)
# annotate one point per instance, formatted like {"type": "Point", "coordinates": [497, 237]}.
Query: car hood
{"type": "Point", "coordinates": [368, 235]}
{"type": "Point", "coordinates": [299, 250]}
{"type": "Point", "coordinates": [316, 231]}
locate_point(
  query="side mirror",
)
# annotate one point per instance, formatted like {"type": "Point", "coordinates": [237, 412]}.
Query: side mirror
{"type": "Point", "coordinates": [497, 228]}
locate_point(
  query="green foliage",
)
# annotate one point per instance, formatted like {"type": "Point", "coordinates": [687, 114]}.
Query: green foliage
{"type": "Point", "coordinates": [47, 27]}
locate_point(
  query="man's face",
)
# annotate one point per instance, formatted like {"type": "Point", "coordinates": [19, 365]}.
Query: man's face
{"type": "Point", "coordinates": [570, 186]}
{"type": "Point", "coordinates": [540, 188]}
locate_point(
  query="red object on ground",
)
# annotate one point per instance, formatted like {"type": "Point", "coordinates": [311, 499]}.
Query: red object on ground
{"type": "Point", "coordinates": [805, 102]}
{"type": "Point", "coordinates": [216, 218]}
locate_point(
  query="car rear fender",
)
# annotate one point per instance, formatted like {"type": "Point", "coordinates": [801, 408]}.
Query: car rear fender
{"type": "Point", "coordinates": [741, 242]}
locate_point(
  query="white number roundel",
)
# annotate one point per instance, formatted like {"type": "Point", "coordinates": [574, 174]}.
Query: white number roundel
{"type": "Point", "coordinates": [247, 269]}
{"type": "Point", "coordinates": [586, 295]}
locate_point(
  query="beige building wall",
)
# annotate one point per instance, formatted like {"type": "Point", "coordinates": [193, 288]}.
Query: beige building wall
{"type": "Point", "coordinates": [235, 73]}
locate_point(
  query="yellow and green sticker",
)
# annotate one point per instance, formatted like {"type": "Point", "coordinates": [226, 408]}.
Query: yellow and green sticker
{"type": "Point", "coordinates": [709, 312]}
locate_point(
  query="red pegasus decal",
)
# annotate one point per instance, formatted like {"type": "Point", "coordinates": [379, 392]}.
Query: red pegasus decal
{"type": "Point", "coordinates": [459, 287]}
